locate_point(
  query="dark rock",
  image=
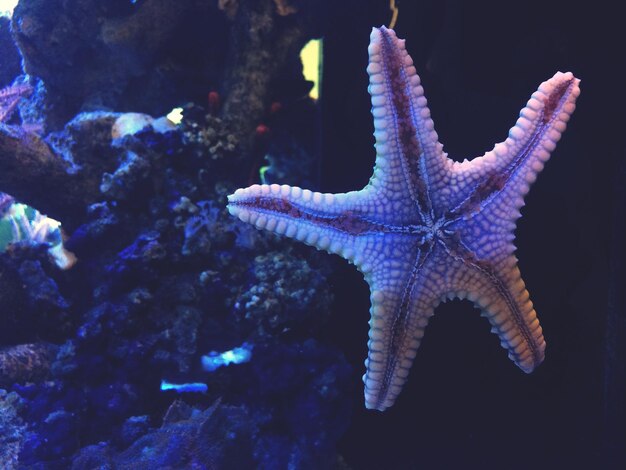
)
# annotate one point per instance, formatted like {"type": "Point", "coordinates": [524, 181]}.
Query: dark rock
{"type": "Point", "coordinates": [42, 289]}
{"type": "Point", "coordinates": [142, 57]}
{"type": "Point", "coordinates": [10, 60]}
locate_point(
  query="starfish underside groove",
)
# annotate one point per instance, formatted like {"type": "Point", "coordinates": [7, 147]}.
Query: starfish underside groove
{"type": "Point", "coordinates": [426, 228]}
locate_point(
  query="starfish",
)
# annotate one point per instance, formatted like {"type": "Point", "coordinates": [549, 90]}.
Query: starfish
{"type": "Point", "coordinates": [426, 228]}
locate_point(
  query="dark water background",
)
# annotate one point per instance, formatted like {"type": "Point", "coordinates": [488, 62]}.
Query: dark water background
{"type": "Point", "coordinates": [465, 404]}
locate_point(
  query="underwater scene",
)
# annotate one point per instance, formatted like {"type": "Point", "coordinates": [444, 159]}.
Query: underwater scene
{"type": "Point", "coordinates": [311, 234]}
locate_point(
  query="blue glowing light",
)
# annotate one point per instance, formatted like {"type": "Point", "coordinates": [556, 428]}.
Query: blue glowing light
{"type": "Point", "coordinates": [214, 360]}
{"type": "Point", "coordinates": [196, 387]}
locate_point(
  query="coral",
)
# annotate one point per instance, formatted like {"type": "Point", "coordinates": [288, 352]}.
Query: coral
{"type": "Point", "coordinates": [68, 166]}
{"type": "Point", "coordinates": [303, 403]}
{"type": "Point", "coordinates": [284, 293]}
{"type": "Point", "coordinates": [207, 135]}
{"type": "Point", "coordinates": [262, 47]}
{"type": "Point", "coordinates": [49, 434]}
{"type": "Point", "coordinates": [126, 63]}
{"type": "Point", "coordinates": [200, 228]}
{"type": "Point", "coordinates": [219, 437]}
{"type": "Point", "coordinates": [26, 363]}
{"type": "Point", "coordinates": [130, 123]}
{"type": "Point", "coordinates": [31, 288]}
{"type": "Point", "coordinates": [143, 61]}
{"type": "Point", "coordinates": [10, 97]}
{"type": "Point", "coordinates": [163, 274]}
{"type": "Point", "coordinates": [297, 417]}
{"type": "Point", "coordinates": [43, 290]}
{"type": "Point", "coordinates": [133, 170]}
{"type": "Point", "coordinates": [12, 429]}
{"type": "Point", "coordinates": [20, 224]}
{"type": "Point", "coordinates": [38, 176]}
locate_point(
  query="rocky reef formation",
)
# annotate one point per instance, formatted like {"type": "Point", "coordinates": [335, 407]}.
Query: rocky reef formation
{"type": "Point", "coordinates": [163, 274]}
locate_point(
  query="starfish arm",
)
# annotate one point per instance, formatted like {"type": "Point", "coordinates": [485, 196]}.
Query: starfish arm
{"type": "Point", "coordinates": [498, 290]}
{"type": "Point", "coordinates": [502, 177]}
{"type": "Point", "coordinates": [403, 297]}
{"type": "Point", "coordinates": [408, 153]}
{"type": "Point", "coordinates": [335, 223]}
{"type": "Point", "coordinates": [404, 290]}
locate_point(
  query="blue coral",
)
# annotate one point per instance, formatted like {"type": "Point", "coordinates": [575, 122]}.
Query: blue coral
{"type": "Point", "coordinates": [164, 277]}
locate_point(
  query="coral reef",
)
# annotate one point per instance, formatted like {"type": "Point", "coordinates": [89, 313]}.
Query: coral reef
{"type": "Point", "coordinates": [9, 98]}
{"type": "Point", "coordinates": [12, 428]}
{"type": "Point", "coordinates": [112, 348]}
{"type": "Point", "coordinates": [163, 277]}
{"type": "Point", "coordinates": [144, 62]}
{"type": "Point", "coordinates": [283, 295]}
{"type": "Point", "coordinates": [301, 431]}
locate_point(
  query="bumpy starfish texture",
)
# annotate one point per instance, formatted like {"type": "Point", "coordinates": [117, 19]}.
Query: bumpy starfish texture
{"type": "Point", "coordinates": [426, 228]}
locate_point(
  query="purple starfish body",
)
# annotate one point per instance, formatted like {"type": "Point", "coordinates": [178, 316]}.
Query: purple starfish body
{"type": "Point", "coordinates": [426, 228]}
